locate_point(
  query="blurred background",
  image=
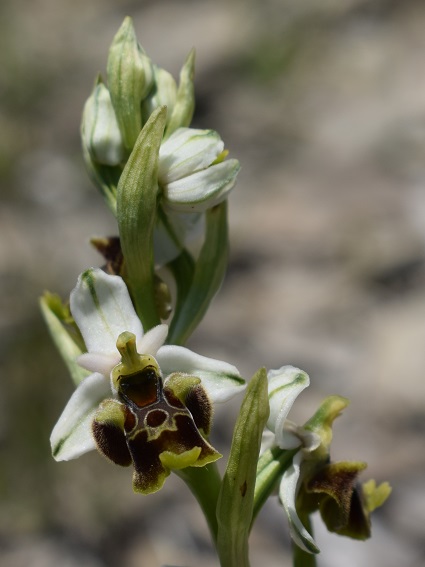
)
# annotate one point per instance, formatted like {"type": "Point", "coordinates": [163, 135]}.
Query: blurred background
{"type": "Point", "coordinates": [323, 102]}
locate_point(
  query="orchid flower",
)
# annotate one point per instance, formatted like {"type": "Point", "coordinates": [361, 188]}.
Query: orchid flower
{"type": "Point", "coordinates": [192, 173]}
{"type": "Point", "coordinates": [312, 482]}
{"type": "Point", "coordinates": [193, 177]}
{"type": "Point", "coordinates": [145, 403]}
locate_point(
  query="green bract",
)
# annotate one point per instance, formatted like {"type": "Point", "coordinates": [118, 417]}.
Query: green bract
{"type": "Point", "coordinates": [136, 213]}
{"type": "Point", "coordinates": [163, 93]}
{"type": "Point", "coordinates": [235, 503]}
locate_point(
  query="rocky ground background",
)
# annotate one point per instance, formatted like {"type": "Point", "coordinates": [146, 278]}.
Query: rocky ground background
{"type": "Point", "coordinates": [324, 105]}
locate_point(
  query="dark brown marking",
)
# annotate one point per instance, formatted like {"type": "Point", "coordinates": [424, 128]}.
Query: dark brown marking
{"type": "Point", "coordinates": [141, 388]}
{"type": "Point", "coordinates": [111, 442]}
{"type": "Point", "coordinates": [199, 405]}
{"type": "Point", "coordinates": [156, 417]}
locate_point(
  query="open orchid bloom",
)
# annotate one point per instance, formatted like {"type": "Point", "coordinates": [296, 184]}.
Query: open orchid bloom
{"type": "Point", "coordinates": [146, 403]}
{"type": "Point", "coordinates": [312, 481]}
{"type": "Point", "coordinates": [192, 172]}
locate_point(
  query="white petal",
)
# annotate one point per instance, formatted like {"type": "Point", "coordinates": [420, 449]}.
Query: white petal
{"type": "Point", "coordinates": [152, 340]}
{"type": "Point", "coordinates": [203, 189]}
{"type": "Point", "coordinates": [99, 362]}
{"type": "Point", "coordinates": [173, 232]}
{"type": "Point", "coordinates": [285, 384]}
{"type": "Point", "coordinates": [221, 380]}
{"type": "Point", "coordinates": [186, 151]}
{"type": "Point", "coordinates": [267, 441]}
{"type": "Point", "coordinates": [291, 435]}
{"type": "Point", "coordinates": [310, 440]}
{"type": "Point", "coordinates": [102, 309]}
{"type": "Point", "coordinates": [287, 495]}
{"type": "Point", "coordinates": [72, 436]}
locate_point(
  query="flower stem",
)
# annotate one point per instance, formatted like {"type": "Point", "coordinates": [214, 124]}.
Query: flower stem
{"type": "Point", "coordinates": [271, 465]}
{"type": "Point", "coordinates": [302, 558]}
{"type": "Point", "coordinates": [204, 483]}
{"type": "Point", "coordinates": [208, 275]}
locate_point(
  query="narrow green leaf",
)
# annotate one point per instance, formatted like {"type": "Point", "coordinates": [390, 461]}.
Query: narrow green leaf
{"type": "Point", "coordinates": [236, 499]}
{"type": "Point", "coordinates": [136, 214]}
{"type": "Point", "coordinates": [210, 269]}
{"type": "Point", "coordinates": [64, 342]}
{"type": "Point", "coordinates": [182, 268]}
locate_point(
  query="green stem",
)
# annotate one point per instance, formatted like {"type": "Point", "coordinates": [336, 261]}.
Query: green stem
{"type": "Point", "coordinates": [182, 268]}
{"type": "Point", "coordinates": [204, 483]}
{"type": "Point", "coordinates": [209, 271]}
{"type": "Point", "coordinates": [271, 465]}
{"type": "Point", "coordinates": [302, 558]}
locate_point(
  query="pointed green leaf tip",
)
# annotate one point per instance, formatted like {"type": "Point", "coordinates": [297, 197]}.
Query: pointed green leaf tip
{"type": "Point", "coordinates": [136, 214]}
{"type": "Point", "coordinates": [184, 107]}
{"type": "Point", "coordinates": [235, 503]}
{"type": "Point", "coordinates": [58, 318]}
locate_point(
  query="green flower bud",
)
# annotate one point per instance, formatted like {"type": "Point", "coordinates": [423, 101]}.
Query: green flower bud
{"type": "Point", "coordinates": [182, 112]}
{"type": "Point", "coordinates": [99, 128]}
{"type": "Point", "coordinates": [163, 93]}
{"type": "Point", "coordinates": [130, 77]}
